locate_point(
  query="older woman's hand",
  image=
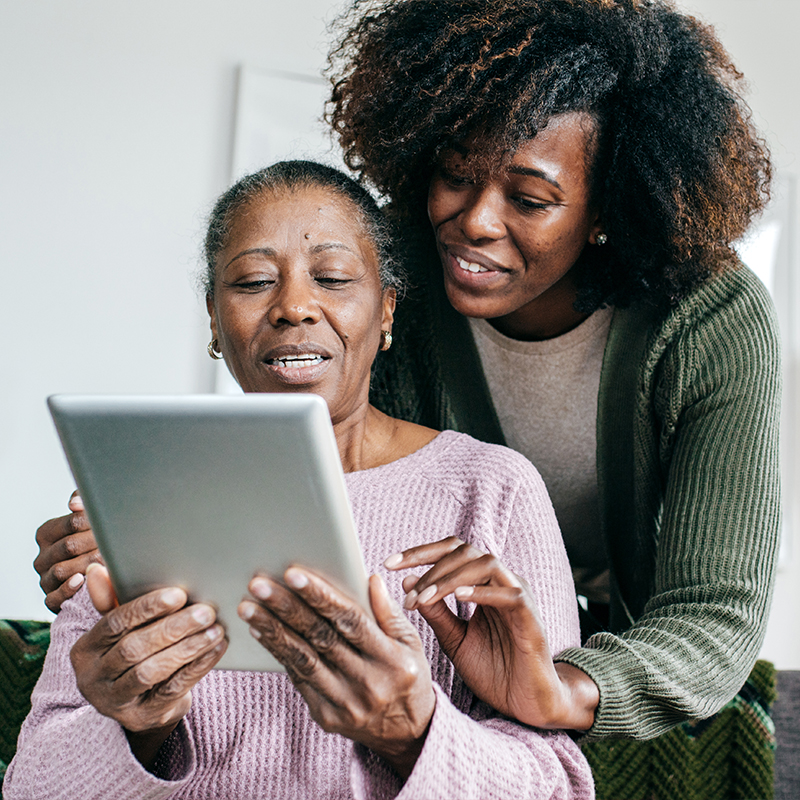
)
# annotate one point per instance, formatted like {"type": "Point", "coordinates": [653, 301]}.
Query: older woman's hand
{"type": "Point", "coordinates": [501, 652]}
{"type": "Point", "coordinates": [139, 663]}
{"type": "Point", "coordinates": [66, 548]}
{"type": "Point", "coordinates": [367, 680]}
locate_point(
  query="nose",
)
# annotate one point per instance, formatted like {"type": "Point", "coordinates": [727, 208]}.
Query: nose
{"type": "Point", "coordinates": [481, 217]}
{"type": "Point", "coordinates": [294, 303]}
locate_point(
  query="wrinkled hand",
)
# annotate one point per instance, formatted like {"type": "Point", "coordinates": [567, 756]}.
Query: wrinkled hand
{"type": "Point", "coordinates": [66, 548]}
{"type": "Point", "coordinates": [367, 680]}
{"type": "Point", "coordinates": [139, 663]}
{"type": "Point", "coordinates": [501, 652]}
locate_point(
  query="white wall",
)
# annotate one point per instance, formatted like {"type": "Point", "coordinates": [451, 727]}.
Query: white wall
{"type": "Point", "coordinates": [115, 136]}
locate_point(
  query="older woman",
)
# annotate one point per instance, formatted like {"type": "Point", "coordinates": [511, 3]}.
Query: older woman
{"type": "Point", "coordinates": [301, 298]}
{"type": "Point", "coordinates": [570, 175]}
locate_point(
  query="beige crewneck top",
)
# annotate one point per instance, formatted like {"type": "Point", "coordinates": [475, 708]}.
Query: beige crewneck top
{"type": "Point", "coordinates": [559, 379]}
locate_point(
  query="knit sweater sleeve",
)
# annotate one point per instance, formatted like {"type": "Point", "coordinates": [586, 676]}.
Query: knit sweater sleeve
{"type": "Point", "coordinates": [470, 750]}
{"type": "Point", "coordinates": [93, 751]}
{"type": "Point", "coordinates": [705, 582]}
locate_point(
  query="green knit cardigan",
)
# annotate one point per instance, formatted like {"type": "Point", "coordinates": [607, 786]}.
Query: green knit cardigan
{"type": "Point", "coordinates": [688, 473]}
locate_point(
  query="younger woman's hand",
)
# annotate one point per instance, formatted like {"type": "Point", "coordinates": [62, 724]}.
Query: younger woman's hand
{"type": "Point", "coordinates": [367, 680]}
{"type": "Point", "coordinates": [501, 652]}
{"type": "Point", "coordinates": [139, 663]}
{"type": "Point", "coordinates": [66, 548]}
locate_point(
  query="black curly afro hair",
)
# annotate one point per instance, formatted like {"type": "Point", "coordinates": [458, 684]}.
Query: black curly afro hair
{"type": "Point", "coordinates": [678, 170]}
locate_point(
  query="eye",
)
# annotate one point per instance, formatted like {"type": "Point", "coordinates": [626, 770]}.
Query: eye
{"type": "Point", "coordinates": [251, 286]}
{"type": "Point", "coordinates": [332, 281]}
{"type": "Point", "coordinates": [526, 204]}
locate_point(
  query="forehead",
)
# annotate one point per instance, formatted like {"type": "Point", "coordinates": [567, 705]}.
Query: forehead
{"type": "Point", "coordinates": [305, 209]}
{"type": "Point", "coordinates": [565, 146]}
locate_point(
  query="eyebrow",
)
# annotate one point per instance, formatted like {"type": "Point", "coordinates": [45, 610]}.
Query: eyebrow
{"type": "Point", "coordinates": [320, 248]}
{"type": "Point", "coordinates": [270, 252]}
{"type": "Point", "coordinates": [535, 173]}
{"type": "Point", "coordinates": [514, 168]}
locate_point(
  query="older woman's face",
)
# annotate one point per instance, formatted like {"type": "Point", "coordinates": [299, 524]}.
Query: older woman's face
{"type": "Point", "coordinates": [298, 305]}
{"type": "Point", "coordinates": [508, 240]}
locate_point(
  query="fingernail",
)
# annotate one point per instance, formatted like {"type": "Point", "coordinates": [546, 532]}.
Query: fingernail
{"type": "Point", "coordinates": [463, 592]}
{"type": "Point", "coordinates": [427, 594]}
{"type": "Point", "coordinates": [411, 598]}
{"type": "Point", "coordinates": [203, 614]}
{"type": "Point", "coordinates": [76, 503]}
{"type": "Point", "coordinates": [260, 588]}
{"type": "Point", "coordinates": [172, 596]}
{"type": "Point", "coordinates": [382, 584]}
{"type": "Point", "coordinates": [296, 579]}
{"type": "Point", "coordinates": [75, 581]}
{"type": "Point", "coordinates": [246, 610]}
{"type": "Point", "coordinates": [214, 632]}
{"type": "Point", "coordinates": [393, 561]}
{"type": "Point", "coordinates": [254, 632]}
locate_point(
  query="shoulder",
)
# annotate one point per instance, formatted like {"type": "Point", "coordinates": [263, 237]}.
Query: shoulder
{"type": "Point", "coordinates": [463, 463]}
{"type": "Point", "coordinates": [728, 322]}
{"type": "Point", "coordinates": [727, 327]}
{"type": "Point", "coordinates": [735, 297]}
{"type": "Point", "coordinates": [734, 304]}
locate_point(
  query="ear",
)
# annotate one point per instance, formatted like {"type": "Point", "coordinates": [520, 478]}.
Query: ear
{"type": "Point", "coordinates": [596, 228]}
{"type": "Point", "coordinates": [389, 303]}
{"type": "Point", "coordinates": [212, 313]}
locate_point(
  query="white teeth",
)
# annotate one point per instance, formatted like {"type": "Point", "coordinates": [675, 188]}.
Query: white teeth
{"type": "Point", "coordinates": [470, 266]}
{"type": "Point", "coordinates": [304, 360]}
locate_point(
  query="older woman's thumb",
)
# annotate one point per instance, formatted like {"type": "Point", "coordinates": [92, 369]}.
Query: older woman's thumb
{"type": "Point", "coordinates": [388, 613]}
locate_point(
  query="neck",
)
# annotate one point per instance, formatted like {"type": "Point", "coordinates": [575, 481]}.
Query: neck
{"type": "Point", "coordinates": [370, 439]}
{"type": "Point", "coordinates": [363, 438]}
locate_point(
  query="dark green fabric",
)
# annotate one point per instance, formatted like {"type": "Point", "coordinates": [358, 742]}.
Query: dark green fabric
{"type": "Point", "coordinates": [23, 645]}
{"type": "Point", "coordinates": [688, 472]}
{"type": "Point", "coordinates": [730, 756]}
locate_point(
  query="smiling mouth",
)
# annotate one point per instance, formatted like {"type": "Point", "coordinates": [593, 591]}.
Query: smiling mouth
{"type": "Point", "coordinates": [470, 266]}
{"type": "Point", "coordinates": [298, 361]}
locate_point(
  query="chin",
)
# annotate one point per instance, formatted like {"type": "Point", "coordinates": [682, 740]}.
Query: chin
{"type": "Point", "coordinates": [470, 306]}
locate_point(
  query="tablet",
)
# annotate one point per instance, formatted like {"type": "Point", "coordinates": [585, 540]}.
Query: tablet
{"type": "Point", "coordinates": [204, 491]}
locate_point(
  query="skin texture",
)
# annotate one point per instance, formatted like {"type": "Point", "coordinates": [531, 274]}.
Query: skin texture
{"type": "Point", "coordinates": [139, 663]}
{"type": "Point", "coordinates": [526, 223]}
{"type": "Point", "coordinates": [368, 681]}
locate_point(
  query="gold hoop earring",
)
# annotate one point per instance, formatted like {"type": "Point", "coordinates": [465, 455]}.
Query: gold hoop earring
{"type": "Point", "coordinates": [386, 340]}
{"type": "Point", "coordinates": [213, 349]}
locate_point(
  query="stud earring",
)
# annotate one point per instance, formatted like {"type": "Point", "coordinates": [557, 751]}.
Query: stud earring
{"type": "Point", "coordinates": [386, 340]}
{"type": "Point", "coordinates": [601, 239]}
{"type": "Point", "coordinates": [213, 349]}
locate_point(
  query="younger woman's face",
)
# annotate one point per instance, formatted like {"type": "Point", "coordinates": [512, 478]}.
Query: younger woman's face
{"type": "Point", "coordinates": [509, 239]}
{"type": "Point", "coordinates": [298, 304]}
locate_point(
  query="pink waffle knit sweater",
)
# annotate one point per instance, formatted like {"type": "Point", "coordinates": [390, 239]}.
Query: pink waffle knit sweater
{"type": "Point", "coordinates": [249, 735]}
